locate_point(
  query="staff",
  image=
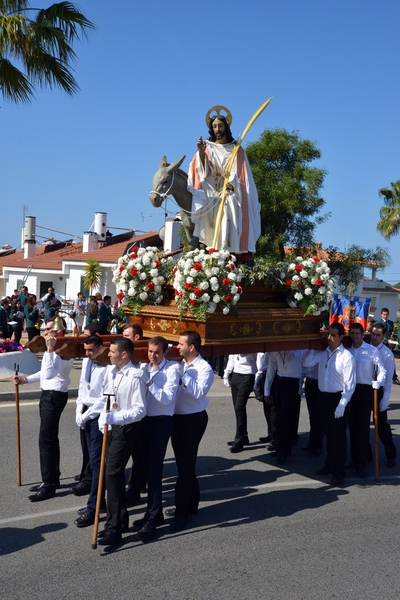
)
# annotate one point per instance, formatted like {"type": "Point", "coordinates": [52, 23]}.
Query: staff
{"type": "Point", "coordinates": [101, 477]}
{"type": "Point", "coordinates": [376, 435]}
{"type": "Point", "coordinates": [229, 167]}
{"type": "Point", "coordinates": [18, 434]}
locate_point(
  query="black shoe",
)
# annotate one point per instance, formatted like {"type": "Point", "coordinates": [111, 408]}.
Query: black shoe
{"type": "Point", "coordinates": [178, 524]}
{"type": "Point", "coordinates": [245, 441]}
{"type": "Point", "coordinates": [271, 446]}
{"type": "Point", "coordinates": [350, 465]}
{"type": "Point", "coordinates": [86, 519]}
{"type": "Point", "coordinates": [39, 486]}
{"type": "Point", "coordinates": [159, 520]}
{"type": "Point", "coordinates": [361, 472]}
{"type": "Point", "coordinates": [280, 458]}
{"type": "Point", "coordinates": [170, 512]}
{"type": "Point", "coordinates": [336, 480]}
{"type": "Point", "coordinates": [103, 508]}
{"type": "Point", "coordinates": [81, 489]}
{"type": "Point", "coordinates": [132, 498]}
{"type": "Point", "coordinates": [104, 532]}
{"type": "Point", "coordinates": [110, 539]}
{"type": "Point", "coordinates": [77, 477]}
{"type": "Point", "coordinates": [265, 440]}
{"type": "Point", "coordinates": [390, 463]}
{"type": "Point", "coordinates": [323, 471]}
{"type": "Point", "coordinates": [44, 493]}
{"type": "Point", "coordinates": [147, 531]}
{"type": "Point", "coordinates": [236, 447]}
{"type": "Point", "coordinates": [396, 381]}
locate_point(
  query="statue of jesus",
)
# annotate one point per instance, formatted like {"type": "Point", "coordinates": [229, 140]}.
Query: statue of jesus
{"type": "Point", "coordinates": [241, 221]}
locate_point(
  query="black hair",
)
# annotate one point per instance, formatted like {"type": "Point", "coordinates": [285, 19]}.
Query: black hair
{"type": "Point", "coordinates": [228, 133]}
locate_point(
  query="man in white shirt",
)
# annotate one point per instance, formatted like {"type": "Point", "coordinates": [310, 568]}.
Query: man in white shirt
{"type": "Point", "coordinates": [239, 375]}
{"type": "Point", "coordinates": [287, 367]}
{"type": "Point", "coordinates": [370, 375]}
{"type": "Point", "coordinates": [89, 405]}
{"type": "Point", "coordinates": [54, 381]}
{"type": "Point", "coordinates": [188, 425]}
{"type": "Point", "coordinates": [124, 382]}
{"type": "Point", "coordinates": [336, 384]}
{"type": "Point", "coordinates": [162, 382]}
{"type": "Point", "coordinates": [50, 290]}
{"type": "Point", "coordinates": [386, 355]}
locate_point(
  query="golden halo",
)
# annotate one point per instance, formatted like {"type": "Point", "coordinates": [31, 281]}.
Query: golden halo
{"type": "Point", "coordinates": [218, 109]}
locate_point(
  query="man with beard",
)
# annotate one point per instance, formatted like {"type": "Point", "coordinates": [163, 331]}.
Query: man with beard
{"type": "Point", "coordinates": [241, 222]}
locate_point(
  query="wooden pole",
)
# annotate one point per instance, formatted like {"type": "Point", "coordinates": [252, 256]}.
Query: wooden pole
{"type": "Point", "coordinates": [17, 424]}
{"type": "Point", "coordinates": [101, 478]}
{"type": "Point", "coordinates": [376, 435]}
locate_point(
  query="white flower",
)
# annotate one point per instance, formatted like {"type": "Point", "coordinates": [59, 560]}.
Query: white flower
{"type": "Point", "coordinates": [192, 296]}
{"type": "Point", "coordinates": [234, 289]}
{"type": "Point", "coordinates": [216, 299]}
{"type": "Point", "coordinates": [291, 267]}
{"type": "Point", "coordinates": [232, 276]}
{"type": "Point", "coordinates": [211, 307]}
{"type": "Point", "coordinates": [213, 280]}
{"type": "Point", "coordinates": [295, 278]}
{"type": "Point", "coordinates": [215, 270]}
{"type": "Point", "coordinates": [193, 272]}
{"type": "Point", "coordinates": [303, 273]}
{"type": "Point", "coordinates": [189, 279]}
{"type": "Point", "coordinates": [204, 285]}
{"type": "Point", "coordinates": [205, 298]}
{"type": "Point", "coordinates": [299, 259]}
{"type": "Point", "coordinates": [158, 289]}
{"type": "Point", "coordinates": [308, 291]}
{"type": "Point", "coordinates": [143, 296]}
{"type": "Point", "coordinates": [225, 310]}
{"type": "Point", "coordinates": [236, 298]}
{"type": "Point", "coordinates": [298, 296]}
{"type": "Point", "coordinates": [146, 260]}
{"type": "Point", "coordinates": [208, 272]}
{"type": "Point", "coordinates": [292, 304]}
{"type": "Point", "coordinates": [322, 290]}
{"type": "Point", "coordinates": [215, 287]}
{"type": "Point", "coordinates": [282, 275]}
{"type": "Point", "coordinates": [154, 272]}
{"type": "Point", "coordinates": [142, 276]}
{"type": "Point", "coordinates": [125, 301]}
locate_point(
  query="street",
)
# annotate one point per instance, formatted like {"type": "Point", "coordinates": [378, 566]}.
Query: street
{"type": "Point", "coordinates": [262, 531]}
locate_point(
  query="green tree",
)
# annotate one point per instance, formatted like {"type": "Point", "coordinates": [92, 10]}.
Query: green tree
{"type": "Point", "coordinates": [288, 190]}
{"type": "Point", "coordinates": [346, 267]}
{"type": "Point", "coordinates": [389, 223]}
{"type": "Point", "coordinates": [92, 274]}
{"type": "Point", "coordinates": [36, 47]}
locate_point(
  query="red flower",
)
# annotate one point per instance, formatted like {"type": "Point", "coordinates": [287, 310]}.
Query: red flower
{"type": "Point", "coordinates": [299, 284]}
{"type": "Point", "coordinates": [192, 302]}
{"type": "Point", "coordinates": [318, 282]}
{"type": "Point", "coordinates": [158, 263]}
{"type": "Point", "coordinates": [134, 272]}
{"type": "Point", "coordinates": [198, 291]}
{"type": "Point", "coordinates": [174, 270]}
{"type": "Point", "coordinates": [298, 268]}
{"type": "Point", "coordinates": [120, 296]}
{"type": "Point", "coordinates": [226, 281]}
{"type": "Point", "coordinates": [316, 259]}
{"type": "Point", "coordinates": [228, 298]}
{"type": "Point", "coordinates": [135, 248]}
{"type": "Point", "coordinates": [212, 250]}
{"type": "Point", "coordinates": [197, 266]}
{"type": "Point", "coordinates": [288, 282]}
{"type": "Point", "coordinates": [133, 255]}
{"type": "Point", "coordinates": [177, 293]}
{"type": "Point", "coordinates": [150, 285]}
{"type": "Point", "coordinates": [240, 289]}
{"type": "Point", "coordinates": [232, 266]}
{"type": "Point", "coordinates": [122, 268]}
{"type": "Point", "coordinates": [188, 286]}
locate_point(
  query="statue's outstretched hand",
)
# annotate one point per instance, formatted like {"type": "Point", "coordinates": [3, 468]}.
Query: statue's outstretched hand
{"type": "Point", "coordinates": [201, 147]}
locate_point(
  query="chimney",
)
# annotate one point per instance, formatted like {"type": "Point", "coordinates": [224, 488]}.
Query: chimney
{"type": "Point", "coordinates": [30, 237]}
{"type": "Point", "coordinates": [100, 226]}
{"type": "Point", "coordinates": [172, 237]}
{"type": "Point", "coordinates": [89, 241]}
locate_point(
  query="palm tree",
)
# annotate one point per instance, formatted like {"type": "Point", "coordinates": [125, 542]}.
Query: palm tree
{"type": "Point", "coordinates": [389, 223]}
{"type": "Point", "coordinates": [92, 274]}
{"type": "Point", "coordinates": [41, 46]}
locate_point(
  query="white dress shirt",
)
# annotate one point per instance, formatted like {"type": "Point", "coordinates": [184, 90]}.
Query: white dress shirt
{"type": "Point", "coordinates": [336, 371]}
{"type": "Point", "coordinates": [287, 363]}
{"type": "Point", "coordinates": [164, 384]}
{"type": "Point", "coordinates": [387, 360]}
{"type": "Point", "coordinates": [367, 362]}
{"type": "Point", "coordinates": [54, 373]}
{"type": "Point", "coordinates": [196, 381]}
{"type": "Point", "coordinates": [90, 391]}
{"type": "Point", "coordinates": [129, 393]}
{"type": "Point", "coordinates": [244, 364]}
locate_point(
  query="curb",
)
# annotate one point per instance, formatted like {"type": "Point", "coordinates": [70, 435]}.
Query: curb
{"type": "Point", "coordinates": [32, 395]}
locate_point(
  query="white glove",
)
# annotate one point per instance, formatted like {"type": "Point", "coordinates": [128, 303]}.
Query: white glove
{"type": "Point", "coordinates": [376, 385]}
{"type": "Point", "coordinates": [105, 419]}
{"type": "Point", "coordinates": [78, 419]}
{"type": "Point", "coordinates": [383, 404]}
{"type": "Point", "coordinates": [226, 383]}
{"type": "Point", "coordinates": [339, 412]}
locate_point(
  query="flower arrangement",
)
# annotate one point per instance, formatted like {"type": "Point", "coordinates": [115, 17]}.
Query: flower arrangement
{"type": "Point", "coordinates": [206, 280]}
{"type": "Point", "coordinates": [309, 283]}
{"type": "Point", "coordinates": [9, 346]}
{"type": "Point", "coordinates": [140, 276]}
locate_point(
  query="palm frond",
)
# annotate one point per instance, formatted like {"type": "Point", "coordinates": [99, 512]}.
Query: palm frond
{"type": "Point", "coordinates": [68, 18]}
{"type": "Point", "coordinates": [14, 85]}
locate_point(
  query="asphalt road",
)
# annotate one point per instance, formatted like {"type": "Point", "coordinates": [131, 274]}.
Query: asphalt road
{"type": "Point", "coordinates": [262, 531]}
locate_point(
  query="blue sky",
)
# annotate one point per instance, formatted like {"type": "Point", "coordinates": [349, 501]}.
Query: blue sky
{"type": "Point", "coordinates": [152, 70]}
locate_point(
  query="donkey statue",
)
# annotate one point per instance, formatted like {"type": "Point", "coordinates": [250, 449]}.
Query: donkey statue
{"type": "Point", "coordinates": [170, 179]}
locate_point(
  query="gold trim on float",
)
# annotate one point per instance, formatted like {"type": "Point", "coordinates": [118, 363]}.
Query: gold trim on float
{"type": "Point", "coordinates": [245, 329]}
{"type": "Point", "coordinates": [163, 325]}
{"type": "Point", "coordinates": [287, 327]}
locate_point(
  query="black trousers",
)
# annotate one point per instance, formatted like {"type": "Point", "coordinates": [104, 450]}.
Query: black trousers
{"type": "Point", "coordinates": [384, 431]}
{"type": "Point", "coordinates": [86, 472]}
{"type": "Point", "coordinates": [94, 439]}
{"type": "Point", "coordinates": [154, 433]}
{"type": "Point", "coordinates": [361, 405]}
{"type": "Point", "coordinates": [241, 388]}
{"type": "Point", "coordinates": [187, 431]}
{"type": "Point", "coordinates": [314, 411]}
{"type": "Point", "coordinates": [120, 442]}
{"type": "Point", "coordinates": [288, 410]}
{"type": "Point", "coordinates": [51, 405]}
{"type": "Point", "coordinates": [335, 431]}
